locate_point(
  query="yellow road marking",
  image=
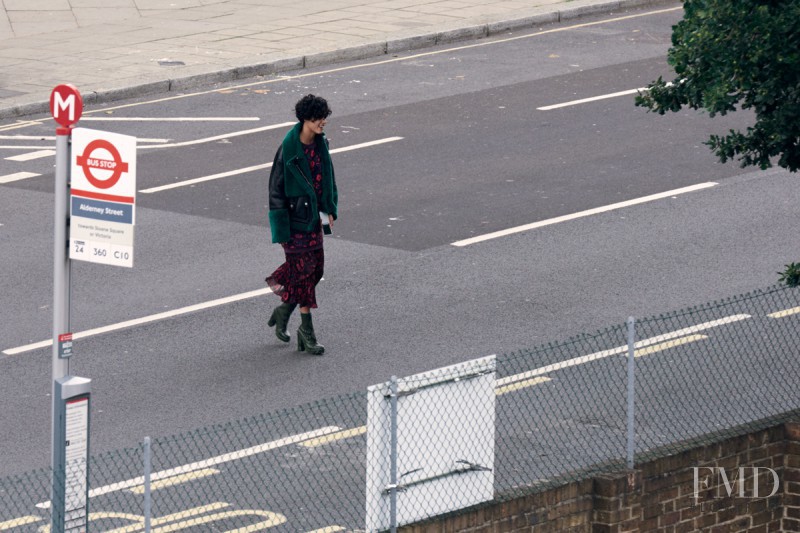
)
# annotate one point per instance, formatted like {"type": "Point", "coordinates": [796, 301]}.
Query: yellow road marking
{"type": "Point", "coordinates": [205, 463]}
{"type": "Point", "coordinates": [329, 529]}
{"type": "Point", "coordinates": [16, 522]}
{"type": "Point", "coordinates": [190, 518]}
{"type": "Point", "coordinates": [521, 385]}
{"type": "Point", "coordinates": [339, 435]}
{"type": "Point", "coordinates": [667, 345]}
{"type": "Point", "coordinates": [785, 312]}
{"type": "Point", "coordinates": [272, 519]}
{"type": "Point", "coordinates": [139, 525]}
{"type": "Point", "coordinates": [99, 516]}
{"type": "Point", "coordinates": [176, 480]}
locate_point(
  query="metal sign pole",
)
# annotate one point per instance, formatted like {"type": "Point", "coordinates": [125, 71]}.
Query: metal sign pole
{"type": "Point", "coordinates": [631, 444]}
{"type": "Point", "coordinates": [66, 105]}
{"type": "Point", "coordinates": [61, 303]}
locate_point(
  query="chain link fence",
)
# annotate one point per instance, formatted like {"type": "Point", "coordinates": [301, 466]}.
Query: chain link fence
{"type": "Point", "coordinates": [494, 428]}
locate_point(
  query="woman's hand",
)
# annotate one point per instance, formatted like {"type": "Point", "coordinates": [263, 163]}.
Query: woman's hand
{"type": "Point", "coordinates": [330, 221]}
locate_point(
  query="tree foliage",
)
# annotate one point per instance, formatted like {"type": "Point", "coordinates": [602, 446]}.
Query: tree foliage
{"type": "Point", "coordinates": [738, 54]}
{"type": "Point", "coordinates": [791, 276]}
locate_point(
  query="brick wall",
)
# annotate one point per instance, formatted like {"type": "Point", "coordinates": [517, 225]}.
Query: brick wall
{"type": "Point", "coordinates": [659, 495]}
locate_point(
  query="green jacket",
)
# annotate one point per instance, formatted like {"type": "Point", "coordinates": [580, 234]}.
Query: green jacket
{"type": "Point", "coordinates": [292, 201]}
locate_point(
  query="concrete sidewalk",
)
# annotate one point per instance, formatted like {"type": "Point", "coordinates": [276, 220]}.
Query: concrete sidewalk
{"type": "Point", "coordinates": [113, 49]}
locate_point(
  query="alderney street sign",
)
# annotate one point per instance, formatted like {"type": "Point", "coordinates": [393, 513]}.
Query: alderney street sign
{"type": "Point", "coordinates": [103, 197]}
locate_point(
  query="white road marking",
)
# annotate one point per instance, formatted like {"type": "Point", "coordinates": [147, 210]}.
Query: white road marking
{"type": "Point", "coordinates": [212, 177]}
{"type": "Point", "coordinates": [592, 99]}
{"type": "Point", "coordinates": [31, 155]}
{"type": "Point", "coordinates": [253, 168]}
{"type": "Point", "coordinates": [53, 139]}
{"type": "Point", "coordinates": [172, 119]}
{"type": "Point", "coordinates": [8, 178]}
{"type": "Point", "coordinates": [224, 136]}
{"type": "Point", "coordinates": [144, 320]}
{"type": "Point", "coordinates": [620, 349]}
{"type": "Point", "coordinates": [28, 137]}
{"type": "Point", "coordinates": [19, 147]}
{"type": "Point", "coordinates": [581, 214]}
{"type": "Point", "coordinates": [395, 60]}
{"type": "Point", "coordinates": [207, 463]}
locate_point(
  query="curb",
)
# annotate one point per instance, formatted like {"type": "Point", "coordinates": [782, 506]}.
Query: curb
{"type": "Point", "coordinates": [397, 44]}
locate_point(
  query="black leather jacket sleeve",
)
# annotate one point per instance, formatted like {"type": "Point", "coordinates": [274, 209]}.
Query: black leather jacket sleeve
{"type": "Point", "coordinates": [277, 194]}
{"type": "Point", "coordinates": [278, 202]}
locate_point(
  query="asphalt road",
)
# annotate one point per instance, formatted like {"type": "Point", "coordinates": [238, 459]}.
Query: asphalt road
{"type": "Point", "coordinates": [476, 156]}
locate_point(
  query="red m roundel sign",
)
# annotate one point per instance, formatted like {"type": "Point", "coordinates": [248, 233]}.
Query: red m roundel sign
{"type": "Point", "coordinates": [66, 104]}
{"type": "Point", "coordinates": [115, 165]}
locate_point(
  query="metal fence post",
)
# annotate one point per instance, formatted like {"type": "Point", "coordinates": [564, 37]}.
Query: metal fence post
{"type": "Point", "coordinates": [393, 460]}
{"type": "Point", "coordinates": [631, 388]}
{"type": "Point", "coordinates": [147, 496]}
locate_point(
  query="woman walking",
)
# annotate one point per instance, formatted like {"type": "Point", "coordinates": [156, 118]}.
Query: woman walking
{"type": "Point", "coordinates": [302, 197]}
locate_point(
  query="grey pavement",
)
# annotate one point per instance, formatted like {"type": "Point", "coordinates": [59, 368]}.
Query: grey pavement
{"type": "Point", "coordinates": [114, 49]}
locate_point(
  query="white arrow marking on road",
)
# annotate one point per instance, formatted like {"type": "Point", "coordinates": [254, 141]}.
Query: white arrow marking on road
{"type": "Point", "coordinates": [581, 214]}
{"type": "Point", "coordinates": [592, 99]}
{"type": "Point", "coordinates": [262, 166]}
{"type": "Point", "coordinates": [143, 320]}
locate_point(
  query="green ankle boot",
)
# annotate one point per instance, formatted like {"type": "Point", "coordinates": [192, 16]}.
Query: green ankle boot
{"type": "Point", "coordinates": [280, 319]}
{"type": "Point", "coordinates": [306, 340]}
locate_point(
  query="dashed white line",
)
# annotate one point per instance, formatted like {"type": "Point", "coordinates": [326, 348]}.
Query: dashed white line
{"type": "Point", "coordinates": [8, 178]}
{"type": "Point", "coordinates": [223, 136]}
{"type": "Point", "coordinates": [592, 99]}
{"type": "Point", "coordinates": [253, 168]}
{"type": "Point", "coordinates": [581, 214]}
{"type": "Point", "coordinates": [212, 177]}
{"type": "Point", "coordinates": [27, 137]}
{"type": "Point", "coordinates": [52, 138]}
{"type": "Point", "coordinates": [19, 147]}
{"type": "Point", "coordinates": [171, 119]}
{"type": "Point", "coordinates": [31, 155]}
{"type": "Point", "coordinates": [621, 349]}
{"type": "Point", "coordinates": [143, 320]}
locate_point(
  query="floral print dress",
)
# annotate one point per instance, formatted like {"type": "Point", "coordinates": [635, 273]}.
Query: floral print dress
{"type": "Point", "coordinates": [295, 281]}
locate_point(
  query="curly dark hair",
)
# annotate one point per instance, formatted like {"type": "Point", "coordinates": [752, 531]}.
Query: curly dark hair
{"type": "Point", "coordinates": [312, 107]}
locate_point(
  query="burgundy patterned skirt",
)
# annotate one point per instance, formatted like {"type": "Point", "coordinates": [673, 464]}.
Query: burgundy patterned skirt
{"type": "Point", "coordinates": [296, 280]}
